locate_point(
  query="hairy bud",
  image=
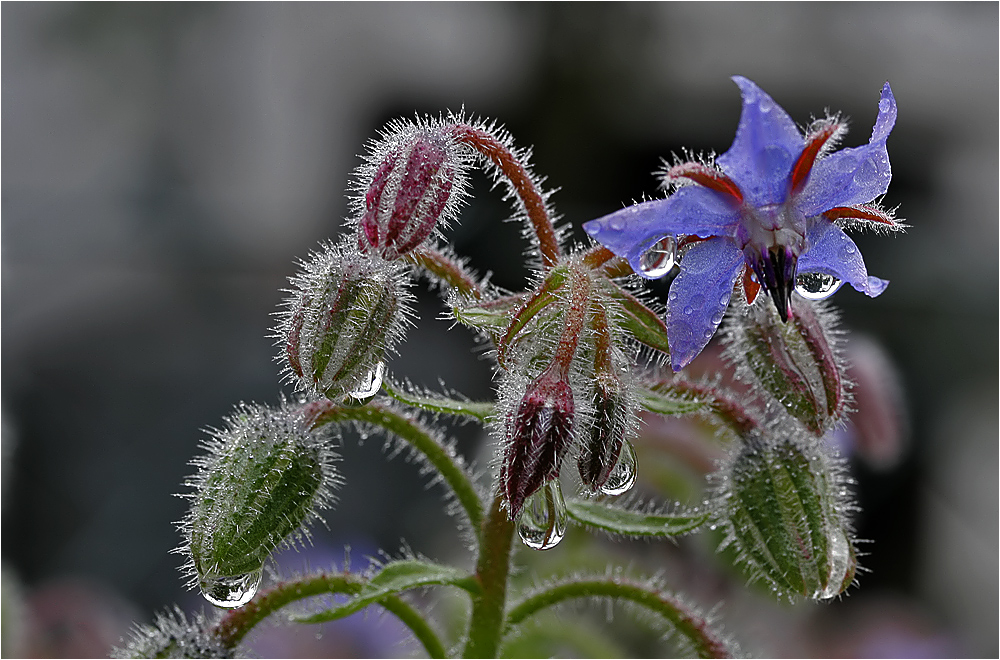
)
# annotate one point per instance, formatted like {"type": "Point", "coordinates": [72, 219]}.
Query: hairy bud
{"type": "Point", "coordinates": [538, 433]}
{"type": "Point", "coordinates": [173, 636]}
{"type": "Point", "coordinates": [262, 482]}
{"type": "Point", "coordinates": [413, 180]}
{"type": "Point", "coordinates": [784, 506]}
{"type": "Point", "coordinates": [795, 361]}
{"type": "Point", "coordinates": [346, 312]}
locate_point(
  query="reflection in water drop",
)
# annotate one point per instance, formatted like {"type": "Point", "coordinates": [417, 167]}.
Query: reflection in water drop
{"type": "Point", "coordinates": [230, 591]}
{"type": "Point", "coordinates": [622, 475]}
{"type": "Point", "coordinates": [840, 560]}
{"type": "Point", "coordinates": [370, 388]}
{"type": "Point", "coordinates": [816, 286]}
{"type": "Point", "coordinates": [543, 522]}
{"type": "Point", "coordinates": [658, 260]}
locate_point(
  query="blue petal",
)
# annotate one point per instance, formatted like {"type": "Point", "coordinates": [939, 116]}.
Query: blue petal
{"type": "Point", "coordinates": [766, 146]}
{"type": "Point", "coordinates": [699, 297]}
{"type": "Point", "coordinates": [853, 176]}
{"type": "Point", "coordinates": [831, 251]}
{"type": "Point", "coordinates": [692, 210]}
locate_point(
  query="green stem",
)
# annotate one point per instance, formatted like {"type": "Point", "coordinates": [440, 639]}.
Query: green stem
{"type": "Point", "coordinates": [689, 624]}
{"type": "Point", "coordinates": [443, 459]}
{"type": "Point", "coordinates": [492, 569]}
{"type": "Point", "coordinates": [448, 268]}
{"type": "Point", "coordinates": [235, 625]}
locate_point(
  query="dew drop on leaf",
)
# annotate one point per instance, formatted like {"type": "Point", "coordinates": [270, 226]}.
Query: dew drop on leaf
{"type": "Point", "coordinates": [622, 475]}
{"type": "Point", "coordinates": [840, 559]}
{"type": "Point", "coordinates": [230, 591]}
{"type": "Point", "coordinates": [543, 521]}
{"type": "Point", "coordinates": [658, 260]}
{"type": "Point", "coordinates": [816, 286]}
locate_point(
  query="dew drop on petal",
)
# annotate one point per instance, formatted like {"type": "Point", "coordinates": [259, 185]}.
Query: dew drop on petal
{"type": "Point", "coordinates": [617, 224]}
{"type": "Point", "coordinates": [816, 286]}
{"type": "Point", "coordinates": [370, 387]}
{"type": "Point", "coordinates": [543, 521]}
{"type": "Point", "coordinates": [658, 260]}
{"type": "Point", "coordinates": [230, 591]}
{"type": "Point", "coordinates": [622, 476]}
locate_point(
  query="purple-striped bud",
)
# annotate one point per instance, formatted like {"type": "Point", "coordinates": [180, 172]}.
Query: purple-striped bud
{"type": "Point", "coordinates": [538, 433]}
{"type": "Point", "coordinates": [346, 312]}
{"type": "Point", "coordinates": [414, 179]}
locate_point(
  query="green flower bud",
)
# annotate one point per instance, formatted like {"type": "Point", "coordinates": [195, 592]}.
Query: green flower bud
{"type": "Point", "coordinates": [173, 636]}
{"type": "Point", "coordinates": [346, 312]}
{"type": "Point", "coordinates": [784, 506]}
{"type": "Point", "coordinates": [795, 361]}
{"type": "Point", "coordinates": [261, 483]}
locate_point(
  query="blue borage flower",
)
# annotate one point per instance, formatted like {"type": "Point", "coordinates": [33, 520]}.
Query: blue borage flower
{"type": "Point", "coordinates": [770, 208]}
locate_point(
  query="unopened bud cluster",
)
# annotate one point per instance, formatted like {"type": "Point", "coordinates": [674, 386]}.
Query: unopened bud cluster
{"type": "Point", "coordinates": [173, 636]}
{"type": "Point", "coordinates": [264, 479]}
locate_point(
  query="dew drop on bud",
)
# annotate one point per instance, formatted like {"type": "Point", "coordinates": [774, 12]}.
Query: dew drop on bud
{"type": "Point", "coordinates": [816, 286]}
{"type": "Point", "coordinates": [658, 260]}
{"type": "Point", "coordinates": [839, 555]}
{"type": "Point", "coordinates": [370, 387]}
{"type": "Point", "coordinates": [543, 520]}
{"type": "Point", "coordinates": [622, 475]}
{"type": "Point", "coordinates": [230, 591]}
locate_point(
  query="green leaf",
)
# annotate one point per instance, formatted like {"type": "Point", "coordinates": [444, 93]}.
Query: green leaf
{"type": "Point", "coordinates": [633, 523]}
{"type": "Point", "coordinates": [393, 579]}
{"type": "Point", "coordinates": [479, 410]}
{"type": "Point", "coordinates": [641, 321]}
{"type": "Point", "coordinates": [666, 401]}
{"type": "Point", "coordinates": [493, 315]}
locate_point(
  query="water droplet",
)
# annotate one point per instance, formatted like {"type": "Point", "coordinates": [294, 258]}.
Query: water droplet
{"type": "Point", "coordinates": [230, 591]}
{"type": "Point", "coordinates": [543, 521]}
{"type": "Point", "coordinates": [617, 224]}
{"type": "Point", "coordinates": [622, 475]}
{"type": "Point", "coordinates": [816, 286]}
{"type": "Point", "coordinates": [840, 559]}
{"type": "Point", "coordinates": [883, 105]}
{"type": "Point", "coordinates": [658, 260]}
{"type": "Point", "coordinates": [371, 385]}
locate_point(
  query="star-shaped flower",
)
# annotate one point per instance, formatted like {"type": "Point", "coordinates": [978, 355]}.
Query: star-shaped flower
{"type": "Point", "coordinates": [770, 209]}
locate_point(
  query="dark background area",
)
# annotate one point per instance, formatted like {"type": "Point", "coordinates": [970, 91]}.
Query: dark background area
{"type": "Point", "coordinates": [163, 165]}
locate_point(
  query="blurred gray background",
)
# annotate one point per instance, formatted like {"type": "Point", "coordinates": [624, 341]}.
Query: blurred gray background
{"type": "Point", "coordinates": [165, 164]}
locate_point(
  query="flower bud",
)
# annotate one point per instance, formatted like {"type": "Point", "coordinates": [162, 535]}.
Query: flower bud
{"type": "Point", "coordinates": [346, 312]}
{"type": "Point", "coordinates": [784, 506]}
{"type": "Point", "coordinates": [602, 444]}
{"type": "Point", "coordinates": [414, 179]}
{"type": "Point", "coordinates": [538, 433]}
{"type": "Point", "coordinates": [262, 481]}
{"type": "Point", "coordinates": [794, 361]}
{"type": "Point", "coordinates": [173, 636]}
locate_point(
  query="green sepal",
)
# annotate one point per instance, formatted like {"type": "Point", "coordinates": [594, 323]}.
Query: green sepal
{"type": "Point", "coordinates": [665, 401]}
{"type": "Point", "coordinates": [479, 410]}
{"type": "Point", "coordinates": [616, 520]}
{"type": "Point", "coordinates": [541, 299]}
{"type": "Point", "coordinates": [395, 578]}
{"type": "Point", "coordinates": [643, 324]}
{"type": "Point", "coordinates": [492, 316]}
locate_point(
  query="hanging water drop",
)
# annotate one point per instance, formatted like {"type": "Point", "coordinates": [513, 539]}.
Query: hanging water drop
{"type": "Point", "coordinates": [658, 260]}
{"type": "Point", "coordinates": [816, 286]}
{"type": "Point", "coordinates": [622, 475]}
{"type": "Point", "coordinates": [543, 521]}
{"type": "Point", "coordinates": [839, 553]}
{"type": "Point", "coordinates": [369, 388]}
{"type": "Point", "coordinates": [230, 591]}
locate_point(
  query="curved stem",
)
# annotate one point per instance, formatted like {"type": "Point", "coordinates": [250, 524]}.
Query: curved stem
{"type": "Point", "coordinates": [443, 459]}
{"type": "Point", "coordinates": [449, 269]}
{"type": "Point", "coordinates": [486, 623]}
{"type": "Point", "coordinates": [521, 182]}
{"type": "Point", "coordinates": [235, 625]}
{"type": "Point", "coordinates": [691, 625]}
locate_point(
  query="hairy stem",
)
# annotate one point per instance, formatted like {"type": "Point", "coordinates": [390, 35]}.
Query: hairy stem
{"type": "Point", "coordinates": [521, 182]}
{"type": "Point", "coordinates": [687, 623]}
{"type": "Point", "coordinates": [492, 568]}
{"type": "Point", "coordinates": [448, 268]}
